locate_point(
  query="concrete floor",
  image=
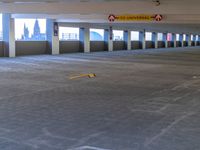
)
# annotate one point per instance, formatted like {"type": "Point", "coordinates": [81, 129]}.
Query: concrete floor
{"type": "Point", "coordinates": [140, 100]}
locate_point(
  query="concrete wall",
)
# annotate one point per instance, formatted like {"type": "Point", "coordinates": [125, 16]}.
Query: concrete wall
{"type": "Point", "coordinates": [136, 45]}
{"type": "Point", "coordinates": [178, 44]}
{"type": "Point", "coordinates": [161, 44]}
{"type": "Point", "coordinates": [119, 45]}
{"type": "Point", "coordinates": [150, 44]}
{"type": "Point", "coordinates": [170, 44]}
{"type": "Point", "coordinates": [1, 49]}
{"type": "Point", "coordinates": [70, 47]}
{"type": "Point", "coordinates": [193, 43]}
{"type": "Point", "coordinates": [31, 48]}
{"type": "Point", "coordinates": [98, 46]}
{"type": "Point", "coordinates": [185, 43]}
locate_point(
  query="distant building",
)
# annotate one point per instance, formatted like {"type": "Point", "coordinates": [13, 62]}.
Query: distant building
{"type": "Point", "coordinates": [37, 35]}
{"type": "Point", "coordinates": [118, 38]}
{"type": "Point", "coordinates": [25, 36]}
{"type": "Point", "coordinates": [70, 36]}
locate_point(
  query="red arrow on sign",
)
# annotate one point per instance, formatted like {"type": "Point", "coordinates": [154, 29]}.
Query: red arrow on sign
{"type": "Point", "coordinates": [111, 18]}
{"type": "Point", "coordinates": [158, 17]}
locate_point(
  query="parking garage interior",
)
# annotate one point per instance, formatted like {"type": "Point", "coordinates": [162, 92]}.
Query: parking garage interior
{"type": "Point", "coordinates": [73, 79]}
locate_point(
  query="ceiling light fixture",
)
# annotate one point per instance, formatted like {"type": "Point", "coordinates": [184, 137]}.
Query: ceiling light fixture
{"type": "Point", "coordinates": [156, 2]}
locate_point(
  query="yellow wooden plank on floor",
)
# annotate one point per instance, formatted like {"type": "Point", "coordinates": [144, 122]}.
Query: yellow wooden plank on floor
{"type": "Point", "coordinates": [90, 75]}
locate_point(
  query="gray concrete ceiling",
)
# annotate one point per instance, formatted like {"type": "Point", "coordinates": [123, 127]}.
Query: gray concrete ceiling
{"type": "Point", "coordinates": [174, 11]}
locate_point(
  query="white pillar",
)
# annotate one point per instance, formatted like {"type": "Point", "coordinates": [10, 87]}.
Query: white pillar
{"type": "Point", "coordinates": [195, 40]}
{"type": "Point", "coordinates": [181, 40]}
{"type": "Point", "coordinates": [155, 39]}
{"type": "Point", "coordinates": [55, 45]}
{"type": "Point", "coordinates": [108, 39]}
{"type": "Point", "coordinates": [110, 45]}
{"type": "Point", "coordinates": [127, 39]}
{"type": "Point", "coordinates": [53, 37]}
{"type": "Point", "coordinates": [12, 50]}
{"type": "Point", "coordinates": [174, 39]}
{"type": "Point", "coordinates": [165, 39]}
{"type": "Point", "coordinates": [189, 40]}
{"type": "Point", "coordinates": [85, 39]}
{"type": "Point", "coordinates": [9, 35]}
{"type": "Point", "coordinates": [142, 39]}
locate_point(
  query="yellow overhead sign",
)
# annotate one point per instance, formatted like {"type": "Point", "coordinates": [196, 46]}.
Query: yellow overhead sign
{"type": "Point", "coordinates": [139, 17]}
{"type": "Point", "coordinates": [134, 18]}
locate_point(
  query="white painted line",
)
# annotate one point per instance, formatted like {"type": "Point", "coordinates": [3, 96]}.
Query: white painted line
{"type": "Point", "coordinates": [89, 148]}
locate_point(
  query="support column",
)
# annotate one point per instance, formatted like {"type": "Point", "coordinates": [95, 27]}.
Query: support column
{"type": "Point", "coordinates": [53, 37]}
{"type": "Point", "coordinates": [181, 40]}
{"type": "Point", "coordinates": [9, 35]}
{"type": "Point", "coordinates": [85, 39]}
{"type": "Point", "coordinates": [189, 40]}
{"type": "Point", "coordinates": [174, 39]}
{"type": "Point", "coordinates": [142, 39]}
{"type": "Point", "coordinates": [196, 39]}
{"type": "Point", "coordinates": [165, 39]}
{"type": "Point", "coordinates": [108, 38]}
{"type": "Point", "coordinates": [155, 39]}
{"type": "Point", "coordinates": [127, 39]}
